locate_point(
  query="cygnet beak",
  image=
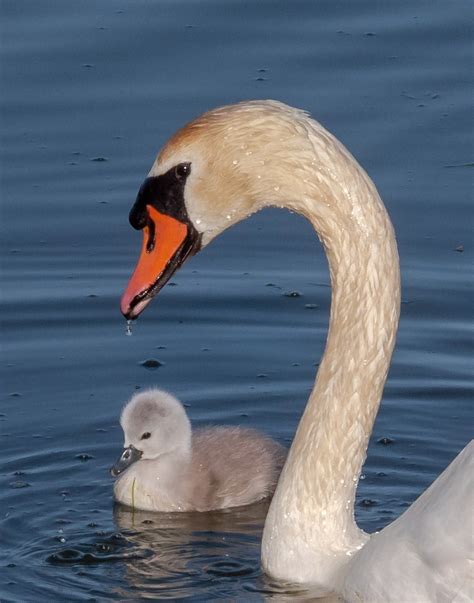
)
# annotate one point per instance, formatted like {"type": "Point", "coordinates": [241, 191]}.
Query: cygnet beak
{"type": "Point", "coordinates": [129, 456]}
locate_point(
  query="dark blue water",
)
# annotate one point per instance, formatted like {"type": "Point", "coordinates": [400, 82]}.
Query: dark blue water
{"type": "Point", "coordinates": [90, 91]}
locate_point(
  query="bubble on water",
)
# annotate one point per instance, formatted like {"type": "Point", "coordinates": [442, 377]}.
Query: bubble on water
{"type": "Point", "coordinates": [151, 363]}
{"type": "Point", "coordinates": [84, 457]}
{"type": "Point", "coordinates": [128, 328]}
{"type": "Point", "coordinates": [385, 441]}
{"type": "Point", "coordinates": [367, 502]}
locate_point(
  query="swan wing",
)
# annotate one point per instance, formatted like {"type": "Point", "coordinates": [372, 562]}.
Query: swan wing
{"type": "Point", "coordinates": [427, 553]}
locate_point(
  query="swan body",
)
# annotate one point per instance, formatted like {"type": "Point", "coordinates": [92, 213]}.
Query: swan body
{"type": "Point", "coordinates": [425, 552]}
{"type": "Point", "coordinates": [216, 171]}
{"type": "Point", "coordinates": [167, 467]}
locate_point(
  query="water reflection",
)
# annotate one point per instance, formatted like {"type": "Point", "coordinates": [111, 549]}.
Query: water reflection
{"type": "Point", "coordinates": [190, 549]}
{"type": "Point", "coordinates": [184, 553]}
{"type": "Point", "coordinates": [113, 80]}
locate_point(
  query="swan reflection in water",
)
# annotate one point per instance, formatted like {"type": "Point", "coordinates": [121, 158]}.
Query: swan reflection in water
{"type": "Point", "coordinates": [179, 554]}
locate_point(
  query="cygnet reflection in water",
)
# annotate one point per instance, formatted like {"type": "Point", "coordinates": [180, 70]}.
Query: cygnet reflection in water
{"type": "Point", "coordinates": [167, 467]}
{"type": "Point", "coordinates": [210, 556]}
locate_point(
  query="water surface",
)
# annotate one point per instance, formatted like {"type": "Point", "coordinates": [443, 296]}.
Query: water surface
{"type": "Point", "coordinates": [90, 91]}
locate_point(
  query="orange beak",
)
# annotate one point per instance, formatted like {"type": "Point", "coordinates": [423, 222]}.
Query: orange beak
{"type": "Point", "coordinates": [167, 242]}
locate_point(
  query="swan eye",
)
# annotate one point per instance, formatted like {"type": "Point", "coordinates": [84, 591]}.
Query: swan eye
{"type": "Point", "coordinates": [182, 170]}
{"type": "Point", "coordinates": [146, 435]}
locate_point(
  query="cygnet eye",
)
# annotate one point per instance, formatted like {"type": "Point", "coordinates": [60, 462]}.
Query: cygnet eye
{"type": "Point", "coordinates": [182, 170]}
{"type": "Point", "coordinates": [146, 435]}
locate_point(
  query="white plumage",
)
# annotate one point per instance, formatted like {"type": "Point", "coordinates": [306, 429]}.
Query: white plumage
{"type": "Point", "coordinates": [259, 153]}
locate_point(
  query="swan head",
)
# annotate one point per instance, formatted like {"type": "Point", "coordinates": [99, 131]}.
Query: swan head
{"type": "Point", "coordinates": [217, 170]}
{"type": "Point", "coordinates": [154, 424]}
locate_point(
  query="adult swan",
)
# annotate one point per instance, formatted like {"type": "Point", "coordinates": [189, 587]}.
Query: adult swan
{"type": "Point", "coordinates": [219, 169]}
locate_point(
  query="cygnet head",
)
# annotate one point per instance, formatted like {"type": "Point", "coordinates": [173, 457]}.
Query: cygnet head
{"type": "Point", "coordinates": [154, 424]}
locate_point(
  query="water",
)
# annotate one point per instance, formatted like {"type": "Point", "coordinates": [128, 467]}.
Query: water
{"type": "Point", "coordinates": [90, 91]}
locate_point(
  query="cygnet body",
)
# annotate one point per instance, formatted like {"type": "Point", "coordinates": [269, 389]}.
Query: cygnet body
{"type": "Point", "coordinates": [167, 467]}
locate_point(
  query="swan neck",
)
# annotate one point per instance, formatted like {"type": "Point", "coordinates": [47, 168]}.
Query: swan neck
{"type": "Point", "coordinates": [331, 442]}
{"type": "Point", "coordinates": [310, 531]}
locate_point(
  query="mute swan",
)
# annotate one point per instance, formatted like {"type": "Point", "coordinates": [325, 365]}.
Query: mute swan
{"type": "Point", "coordinates": [166, 467]}
{"type": "Point", "coordinates": [219, 169]}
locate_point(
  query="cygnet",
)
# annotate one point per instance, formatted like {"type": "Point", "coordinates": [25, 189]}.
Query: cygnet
{"type": "Point", "coordinates": [165, 466]}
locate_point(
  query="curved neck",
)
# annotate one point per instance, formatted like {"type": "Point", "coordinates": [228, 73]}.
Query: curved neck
{"type": "Point", "coordinates": [310, 528]}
